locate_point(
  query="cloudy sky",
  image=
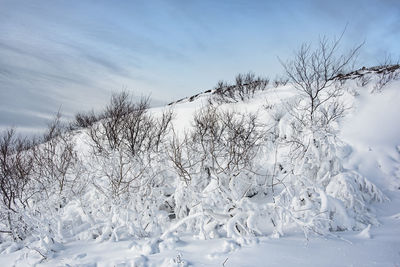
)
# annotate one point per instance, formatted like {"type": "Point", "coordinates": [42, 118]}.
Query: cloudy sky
{"type": "Point", "coordinates": [70, 55]}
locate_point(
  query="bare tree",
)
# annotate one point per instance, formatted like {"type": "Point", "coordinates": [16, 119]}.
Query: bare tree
{"type": "Point", "coordinates": [314, 71]}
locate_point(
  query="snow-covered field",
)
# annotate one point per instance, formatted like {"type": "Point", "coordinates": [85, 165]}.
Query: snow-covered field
{"type": "Point", "coordinates": [362, 229]}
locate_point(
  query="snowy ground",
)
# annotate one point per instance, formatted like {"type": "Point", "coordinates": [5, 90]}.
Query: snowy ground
{"type": "Point", "coordinates": [380, 246]}
{"type": "Point", "coordinates": [373, 133]}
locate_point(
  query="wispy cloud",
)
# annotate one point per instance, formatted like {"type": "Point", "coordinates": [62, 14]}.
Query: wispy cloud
{"type": "Point", "coordinates": [72, 54]}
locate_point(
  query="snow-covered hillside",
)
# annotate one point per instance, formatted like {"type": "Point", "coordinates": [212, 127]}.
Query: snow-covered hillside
{"type": "Point", "coordinates": [230, 181]}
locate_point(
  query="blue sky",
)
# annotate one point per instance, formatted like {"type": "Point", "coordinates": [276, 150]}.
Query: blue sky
{"type": "Point", "coordinates": [70, 55]}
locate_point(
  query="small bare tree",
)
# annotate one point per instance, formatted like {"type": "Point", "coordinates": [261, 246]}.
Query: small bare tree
{"type": "Point", "coordinates": [314, 71]}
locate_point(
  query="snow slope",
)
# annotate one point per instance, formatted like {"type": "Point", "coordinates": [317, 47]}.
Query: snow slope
{"type": "Point", "coordinates": [370, 137]}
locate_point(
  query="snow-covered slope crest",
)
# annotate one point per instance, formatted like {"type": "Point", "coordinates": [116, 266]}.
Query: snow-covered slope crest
{"type": "Point", "coordinates": [238, 172]}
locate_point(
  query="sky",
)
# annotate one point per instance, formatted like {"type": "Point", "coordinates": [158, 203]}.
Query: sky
{"type": "Point", "coordinates": [71, 55]}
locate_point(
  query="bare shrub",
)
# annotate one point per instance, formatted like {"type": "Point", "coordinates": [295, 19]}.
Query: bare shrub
{"type": "Point", "coordinates": [364, 80]}
{"type": "Point", "coordinates": [124, 142]}
{"type": "Point", "coordinates": [227, 137]}
{"type": "Point", "coordinates": [280, 81]}
{"type": "Point", "coordinates": [244, 88]}
{"type": "Point", "coordinates": [142, 132]}
{"type": "Point", "coordinates": [15, 169]}
{"type": "Point", "coordinates": [162, 129]}
{"type": "Point", "coordinates": [386, 74]}
{"type": "Point", "coordinates": [115, 115]}
{"type": "Point", "coordinates": [56, 164]}
{"type": "Point", "coordinates": [84, 120]}
{"type": "Point", "coordinates": [181, 155]}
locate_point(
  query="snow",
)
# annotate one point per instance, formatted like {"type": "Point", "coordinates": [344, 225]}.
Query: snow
{"type": "Point", "coordinates": [361, 193]}
{"type": "Point", "coordinates": [345, 249]}
{"type": "Point", "coordinates": [365, 234]}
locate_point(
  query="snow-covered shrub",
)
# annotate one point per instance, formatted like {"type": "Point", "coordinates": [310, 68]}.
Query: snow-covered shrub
{"type": "Point", "coordinates": [216, 166]}
{"type": "Point", "coordinates": [286, 178]}
{"type": "Point", "coordinates": [39, 177]}
{"type": "Point", "coordinates": [317, 193]}
{"type": "Point", "coordinates": [308, 196]}
{"type": "Point", "coordinates": [127, 157]}
{"type": "Point", "coordinates": [123, 146]}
